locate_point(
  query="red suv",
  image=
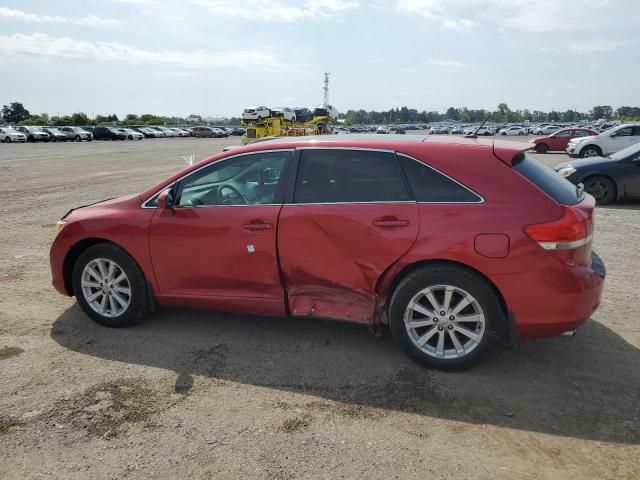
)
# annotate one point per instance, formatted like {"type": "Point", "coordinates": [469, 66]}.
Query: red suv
{"type": "Point", "coordinates": [455, 243]}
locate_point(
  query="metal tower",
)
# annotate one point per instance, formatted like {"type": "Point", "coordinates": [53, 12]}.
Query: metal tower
{"type": "Point", "coordinates": [326, 89]}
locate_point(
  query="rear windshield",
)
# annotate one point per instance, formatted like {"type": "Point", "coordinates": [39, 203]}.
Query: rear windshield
{"type": "Point", "coordinates": [547, 180]}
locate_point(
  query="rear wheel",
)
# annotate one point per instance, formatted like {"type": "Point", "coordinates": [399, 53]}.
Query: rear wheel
{"type": "Point", "coordinates": [542, 148]}
{"type": "Point", "coordinates": [445, 317]}
{"type": "Point", "coordinates": [603, 189]}
{"type": "Point", "coordinates": [78, 139]}
{"type": "Point", "coordinates": [110, 287]}
{"type": "Point", "coordinates": [590, 151]}
{"type": "Point", "coordinates": [7, 140]}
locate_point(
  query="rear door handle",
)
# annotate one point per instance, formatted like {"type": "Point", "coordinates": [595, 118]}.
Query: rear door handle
{"type": "Point", "coordinates": [257, 226]}
{"type": "Point", "coordinates": [390, 222]}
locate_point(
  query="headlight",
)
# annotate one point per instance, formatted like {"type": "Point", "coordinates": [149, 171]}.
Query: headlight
{"type": "Point", "coordinates": [60, 225]}
{"type": "Point", "coordinates": [566, 171]}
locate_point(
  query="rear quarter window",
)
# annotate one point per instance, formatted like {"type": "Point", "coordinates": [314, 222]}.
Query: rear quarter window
{"type": "Point", "coordinates": [546, 179]}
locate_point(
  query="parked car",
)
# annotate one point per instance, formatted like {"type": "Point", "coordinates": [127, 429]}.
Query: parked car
{"type": "Point", "coordinates": [180, 132]}
{"type": "Point", "coordinates": [148, 132]}
{"type": "Point", "coordinates": [131, 134]}
{"type": "Point", "coordinates": [55, 135]}
{"type": "Point", "coordinates": [513, 130]}
{"type": "Point", "coordinates": [383, 129]}
{"type": "Point", "coordinates": [34, 134]}
{"type": "Point", "coordinates": [77, 134]}
{"type": "Point", "coordinates": [558, 141]}
{"type": "Point", "coordinates": [401, 130]}
{"type": "Point", "coordinates": [608, 179]}
{"type": "Point", "coordinates": [606, 143]}
{"type": "Point", "coordinates": [368, 229]}
{"type": "Point", "coordinates": [303, 114]}
{"type": "Point", "coordinates": [204, 132]}
{"type": "Point", "coordinates": [238, 131]}
{"type": "Point", "coordinates": [219, 132]}
{"type": "Point", "coordinates": [438, 130]}
{"type": "Point", "coordinates": [548, 129]}
{"type": "Point", "coordinates": [167, 131]}
{"type": "Point", "coordinates": [8, 135]}
{"type": "Point", "coordinates": [108, 133]}
{"type": "Point", "coordinates": [159, 132]}
{"type": "Point", "coordinates": [285, 112]}
{"type": "Point", "coordinates": [485, 130]}
{"type": "Point", "coordinates": [326, 111]}
{"type": "Point", "coordinates": [456, 130]}
{"type": "Point", "coordinates": [257, 113]}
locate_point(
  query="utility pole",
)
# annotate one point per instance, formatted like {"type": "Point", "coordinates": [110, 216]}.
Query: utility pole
{"type": "Point", "coordinates": [326, 89]}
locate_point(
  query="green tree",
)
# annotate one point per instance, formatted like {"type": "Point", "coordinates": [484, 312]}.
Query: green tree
{"type": "Point", "coordinates": [601, 111]}
{"type": "Point", "coordinates": [80, 118]}
{"type": "Point", "coordinates": [15, 113]}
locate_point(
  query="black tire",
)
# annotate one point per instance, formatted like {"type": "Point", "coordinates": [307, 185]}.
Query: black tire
{"type": "Point", "coordinates": [78, 139]}
{"type": "Point", "coordinates": [259, 119]}
{"type": "Point", "coordinates": [139, 301]}
{"type": "Point", "coordinates": [520, 133]}
{"type": "Point", "coordinates": [7, 140]}
{"type": "Point", "coordinates": [458, 277]}
{"type": "Point", "coordinates": [603, 189]}
{"type": "Point", "coordinates": [590, 151]}
{"type": "Point", "coordinates": [542, 148]}
{"type": "Point", "coordinates": [31, 139]}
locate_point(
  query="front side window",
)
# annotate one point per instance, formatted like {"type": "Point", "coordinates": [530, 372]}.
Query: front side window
{"type": "Point", "coordinates": [624, 132]}
{"type": "Point", "coordinates": [349, 176]}
{"type": "Point", "coordinates": [431, 186]}
{"type": "Point", "coordinates": [252, 179]}
{"type": "Point", "coordinates": [582, 133]}
{"type": "Point", "coordinates": [563, 134]}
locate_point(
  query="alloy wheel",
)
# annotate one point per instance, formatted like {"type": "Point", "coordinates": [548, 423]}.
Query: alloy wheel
{"type": "Point", "coordinates": [444, 321]}
{"type": "Point", "coordinates": [106, 287]}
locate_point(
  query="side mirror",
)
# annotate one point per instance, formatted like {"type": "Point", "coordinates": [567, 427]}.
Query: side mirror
{"type": "Point", "coordinates": [165, 199]}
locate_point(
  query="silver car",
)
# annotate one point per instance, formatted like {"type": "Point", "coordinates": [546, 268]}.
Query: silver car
{"type": "Point", "coordinates": [8, 135]}
{"type": "Point", "coordinates": [76, 133]}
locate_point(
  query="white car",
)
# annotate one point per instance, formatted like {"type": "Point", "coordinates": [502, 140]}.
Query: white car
{"type": "Point", "coordinates": [383, 130]}
{"type": "Point", "coordinates": [513, 130]}
{"type": "Point", "coordinates": [548, 129]}
{"type": "Point", "coordinates": [482, 131]}
{"type": "Point", "coordinates": [326, 111]}
{"type": "Point", "coordinates": [8, 135]}
{"type": "Point", "coordinates": [132, 134]}
{"type": "Point", "coordinates": [256, 113]}
{"type": "Point", "coordinates": [180, 132]}
{"type": "Point", "coordinates": [285, 112]}
{"type": "Point", "coordinates": [168, 132]}
{"type": "Point", "coordinates": [608, 142]}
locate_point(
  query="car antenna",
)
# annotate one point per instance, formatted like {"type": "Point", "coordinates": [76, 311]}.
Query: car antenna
{"type": "Point", "coordinates": [475, 132]}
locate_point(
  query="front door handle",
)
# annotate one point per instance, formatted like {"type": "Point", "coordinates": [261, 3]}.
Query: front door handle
{"type": "Point", "coordinates": [257, 226]}
{"type": "Point", "coordinates": [390, 222]}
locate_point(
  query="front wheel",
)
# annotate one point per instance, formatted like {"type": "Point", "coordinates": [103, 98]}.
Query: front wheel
{"type": "Point", "coordinates": [7, 140]}
{"type": "Point", "coordinates": [110, 287]}
{"type": "Point", "coordinates": [445, 317]}
{"type": "Point", "coordinates": [602, 189]}
{"type": "Point", "coordinates": [590, 151]}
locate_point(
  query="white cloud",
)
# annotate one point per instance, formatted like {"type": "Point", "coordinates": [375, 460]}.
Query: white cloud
{"type": "Point", "coordinates": [449, 65]}
{"type": "Point", "coordinates": [434, 10]}
{"type": "Point", "coordinates": [279, 11]}
{"type": "Point", "coordinates": [40, 44]}
{"type": "Point", "coordinates": [87, 21]}
{"type": "Point", "coordinates": [595, 46]}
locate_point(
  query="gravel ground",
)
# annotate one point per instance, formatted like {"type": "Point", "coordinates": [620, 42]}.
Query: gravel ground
{"type": "Point", "coordinates": [191, 394]}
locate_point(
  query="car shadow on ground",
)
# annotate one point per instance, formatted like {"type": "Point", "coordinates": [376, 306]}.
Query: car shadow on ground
{"type": "Point", "coordinates": [585, 387]}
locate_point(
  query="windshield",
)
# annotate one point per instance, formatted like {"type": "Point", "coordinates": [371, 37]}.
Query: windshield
{"type": "Point", "coordinates": [631, 153]}
{"type": "Point", "coordinates": [610, 131]}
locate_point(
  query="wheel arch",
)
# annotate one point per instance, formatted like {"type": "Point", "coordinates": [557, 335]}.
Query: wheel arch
{"type": "Point", "coordinates": [591, 174]}
{"type": "Point", "coordinates": [426, 263]}
{"type": "Point", "coordinates": [77, 249]}
{"type": "Point", "coordinates": [594, 145]}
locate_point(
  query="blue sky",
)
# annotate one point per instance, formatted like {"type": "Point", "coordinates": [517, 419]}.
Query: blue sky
{"type": "Point", "coordinates": [214, 57]}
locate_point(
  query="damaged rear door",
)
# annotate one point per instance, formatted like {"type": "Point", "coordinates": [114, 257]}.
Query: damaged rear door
{"type": "Point", "coordinates": [349, 217]}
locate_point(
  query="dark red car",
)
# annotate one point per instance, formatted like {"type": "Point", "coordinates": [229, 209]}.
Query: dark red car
{"type": "Point", "coordinates": [558, 141]}
{"type": "Point", "coordinates": [455, 243]}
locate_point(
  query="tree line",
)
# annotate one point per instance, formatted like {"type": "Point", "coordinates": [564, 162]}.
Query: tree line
{"type": "Point", "coordinates": [502, 114]}
{"type": "Point", "coordinates": [16, 114]}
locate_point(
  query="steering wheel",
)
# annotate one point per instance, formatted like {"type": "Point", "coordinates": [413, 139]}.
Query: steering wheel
{"type": "Point", "coordinates": [234, 197]}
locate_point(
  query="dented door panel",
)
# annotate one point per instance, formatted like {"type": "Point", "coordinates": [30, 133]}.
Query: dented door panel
{"type": "Point", "coordinates": [332, 255]}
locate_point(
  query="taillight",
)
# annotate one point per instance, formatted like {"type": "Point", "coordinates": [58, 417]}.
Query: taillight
{"type": "Point", "coordinates": [570, 231]}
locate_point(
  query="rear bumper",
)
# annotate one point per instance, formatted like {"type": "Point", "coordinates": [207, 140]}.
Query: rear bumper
{"type": "Point", "coordinates": [554, 298]}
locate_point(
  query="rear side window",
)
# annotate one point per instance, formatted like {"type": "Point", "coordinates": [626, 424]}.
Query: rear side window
{"type": "Point", "coordinates": [562, 191]}
{"type": "Point", "coordinates": [431, 186]}
{"type": "Point", "coordinates": [349, 176]}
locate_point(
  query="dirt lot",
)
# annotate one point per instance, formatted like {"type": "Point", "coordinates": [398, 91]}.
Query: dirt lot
{"type": "Point", "coordinates": [193, 394]}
